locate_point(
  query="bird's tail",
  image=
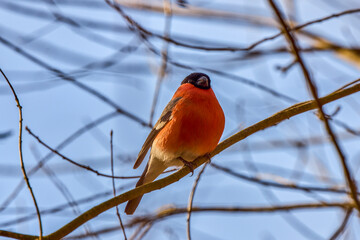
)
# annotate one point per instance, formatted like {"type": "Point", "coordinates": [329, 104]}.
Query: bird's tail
{"type": "Point", "coordinates": [150, 173]}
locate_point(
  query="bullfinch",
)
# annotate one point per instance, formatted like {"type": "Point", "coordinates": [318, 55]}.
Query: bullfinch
{"type": "Point", "coordinates": [190, 126]}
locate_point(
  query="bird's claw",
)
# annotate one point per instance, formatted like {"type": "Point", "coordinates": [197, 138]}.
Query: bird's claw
{"type": "Point", "coordinates": [190, 165]}
{"type": "Point", "coordinates": [208, 156]}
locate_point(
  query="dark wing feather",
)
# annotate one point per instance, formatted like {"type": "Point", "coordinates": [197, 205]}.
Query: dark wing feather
{"type": "Point", "coordinates": [160, 124]}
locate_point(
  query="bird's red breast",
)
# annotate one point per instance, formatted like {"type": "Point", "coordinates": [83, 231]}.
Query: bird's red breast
{"type": "Point", "coordinates": [197, 123]}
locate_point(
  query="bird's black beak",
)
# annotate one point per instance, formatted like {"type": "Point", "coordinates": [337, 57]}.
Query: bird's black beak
{"type": "Point", "coordinates": [203, 82]}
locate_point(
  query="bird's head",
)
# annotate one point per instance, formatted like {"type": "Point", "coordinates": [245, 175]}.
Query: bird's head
{"type": "Point", "coordinates": [199, 80]}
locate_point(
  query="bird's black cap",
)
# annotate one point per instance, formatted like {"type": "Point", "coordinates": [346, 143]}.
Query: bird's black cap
{"type": "Point", "coordinates": [199, 80]}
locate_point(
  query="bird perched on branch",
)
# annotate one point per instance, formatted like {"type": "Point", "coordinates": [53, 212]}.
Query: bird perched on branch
{"type": "Point", "coordinates": [189, 127]}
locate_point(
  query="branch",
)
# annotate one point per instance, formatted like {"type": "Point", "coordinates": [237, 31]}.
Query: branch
{"type": "Point", "coordinates": [342, 225]}
{"type": "Point", "coordinates": [267, 209]}
{"type": "Point", "coordinates": [191, 199]}
{"type": "Point", "coordinates": [275, 184]}
{"type": "Point", "coordinates": [21, 153]}
{"type": "Point", "coordinates": [113, 182]}
{"type": "Point", "coordinates": [294, 46]}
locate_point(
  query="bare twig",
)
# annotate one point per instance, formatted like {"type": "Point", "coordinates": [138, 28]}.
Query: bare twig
{"type": "Point", "coordinates": [286, 68]}
{"type": "Point", "coordinates": [164, 56]}
{"type": "Point", "coordinates": [21, 154]}
{"type": "Point", "coordinates": [62, 189]}
{"type": "Point", "coordinates": [171, 211]}
{"type": "Point", "coordinates": [63, 144]}
{"type": "Point", "coordinates": [113, 182]}
{"type": "Point", "coordinates": [137, 231]}
{"type": "Point", "coordinates": [342, 225]}
{"type": "Point", "coordinates": [278, 184]}
{"type": "Point", "coordinates": [75, 163]}
{"type": "Point", "coordinates": [191, 199]}
{"type": "Point", "coordinates": [292, 41]}
{"type": "Point", "coordinates": [145, 231]}
{"type": "Point", "coordinates": [350, 83]}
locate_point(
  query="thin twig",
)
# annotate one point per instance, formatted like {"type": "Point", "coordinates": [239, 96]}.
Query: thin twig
{"type": "Point", "coordinates": [294, 186]}
{"type": "Point", "coordinates": [137, 231]}
{"type": "Point", "coordinates": [62, 189]}
{"type": "Point", "coordinates": [57, 183]}
{"type": "Point", "coordinates": [191, 199]}
{"type": "Point", "coordinates": [295, 49]}
{"type": "Point", "coordinates": [171, 211]}
{"type": "Point", "coordinates": [21, 154]}
{"type": "Point", "coordinates": [164, 57]}
{"type": "Point", "coordinates": [342, 225]}
{"type": "Point", "coordinates": [113, 182]}
{"type": "Point", "coordinates": [75, 163]}
{"type": "Point", "coordinates": [47, 157]}
{"type": "Point", "coordinates": [350, 83]}
{"type": "Point", "coordinates": [301, 26]}
{"type": "Point", "coordinates": [146, 230]}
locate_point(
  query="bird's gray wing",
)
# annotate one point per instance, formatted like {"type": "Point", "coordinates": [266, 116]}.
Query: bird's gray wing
{"type": "Point", "coordinates": [165, 117]}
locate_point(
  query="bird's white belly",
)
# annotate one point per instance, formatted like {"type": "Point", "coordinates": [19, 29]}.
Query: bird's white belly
{"type": "Point", "coordinates": [171, 159]}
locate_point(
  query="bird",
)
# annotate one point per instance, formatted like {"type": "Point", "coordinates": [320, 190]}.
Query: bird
{"type": "Point", "coordinates": [190, 126]}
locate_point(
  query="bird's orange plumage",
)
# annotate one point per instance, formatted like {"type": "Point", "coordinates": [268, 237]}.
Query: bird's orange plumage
{"type": "Point", "coordinates": [190, 126]}
{"type": "Point", "coordinates": [197, 123]}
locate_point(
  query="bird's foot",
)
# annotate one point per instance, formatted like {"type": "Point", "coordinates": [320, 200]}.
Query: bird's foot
{"type": "Point", "coordinates": [190, 165]}
{"type": "Point", "coordinates": [208, 156]}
